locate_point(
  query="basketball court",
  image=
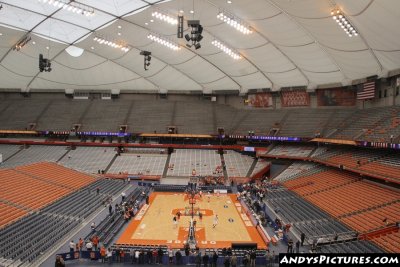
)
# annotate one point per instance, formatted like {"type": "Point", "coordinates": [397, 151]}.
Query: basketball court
{"type": "Point", "coordinates": [153, 225]}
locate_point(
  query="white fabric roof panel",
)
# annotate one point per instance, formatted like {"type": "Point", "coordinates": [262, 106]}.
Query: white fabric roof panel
{"type": "Point", "coordinates": [356, 65]}
{"type": "Point", "coordinates": [174, 80]}
{"type": "Point", "coordinates": [252, 81]}
{"type": "Point", "coordinates": [310, 58]}
{"type": "Point", "coordinates": [283, 31]}
{"type": "Point", "coordinates": [294, 43]}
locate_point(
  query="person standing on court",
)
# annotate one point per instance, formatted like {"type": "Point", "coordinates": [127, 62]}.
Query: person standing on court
{"type": "Point", "coordinates": [215, 220]}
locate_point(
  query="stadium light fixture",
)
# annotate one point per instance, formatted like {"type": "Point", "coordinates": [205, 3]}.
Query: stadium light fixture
{"type": "Point", "coordinates": [71, 6]}
{"type": "Point", "coordinates": [113, 44]}
{"type": "Point", "coordinates": [164, 17]}
{"type": "Point", "coordinates": [344, 23]}
{"type": "Point", "coordinates": [226, 49]}
{"type": "Point", "coordinates": [234, 22]}
{"type": "Point", "coordinates": [21, 43]}
{"type": "Point", "coordinates": [163, 41]}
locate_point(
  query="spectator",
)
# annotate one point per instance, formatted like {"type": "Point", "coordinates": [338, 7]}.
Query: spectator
{"type": "Point", "coordinates": [93, 227]}
{"type": "Point", "coordinates": [290, 246]}
{"type": "Point", "coordinates": [302, 238]}
{"type": "Point", "coordinates": [206, 259]}
{"type": "Point", "coordinates": [155, 255]}
{"type": "Point", "coordinates": [149, 256]}
{"type": "Point", "coordinates": [80, 244]}
{"type": "Point", "coordinates": [71, 246]}
{"type": "Point", "coordinates": [89, 246]}
{"type": "Point", "coordinates": [123, 195]}
{"type": "Point", "coordinates": [137, 254]}
{"type": "Point", "coordinates": [233, 260]}
{"type": "Point", "coordinates": [160, 254]}
{"type": "Point", "coordinates": [298, 246]}
{"type": "Point", "coordinates": [197, 260]}
{"type": "Point", "coordinates": [178, 257]}
{"type": "Point", "coordinates": [253, 257]}
{"type": "Point", "coordinates": [118, 254]}
{"type": "Point", "coordinates": [170, 255]}
{"type": "Point", "coordinates": [110, 209]}
{"type": "Point", "coordinates": [122, 255]}
{"type": "Point", "coordinates": [103, 254]}
{"type": "Point", "coordinates": [132, 255]}
{"type": "Point", "coordinates": [214, 259]}
{"type": "Point", "coordinates": [95, 241]}
{"type": "Point", "coordinates": [59, 261]}
{"type": "Point", "coordinates": [109, 255]}
{"type": "Point", "coordinates": [227, 261]}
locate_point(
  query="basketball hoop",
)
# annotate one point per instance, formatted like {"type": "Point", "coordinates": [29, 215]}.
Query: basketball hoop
{"type": "Point", "coordinates": [192, 201]}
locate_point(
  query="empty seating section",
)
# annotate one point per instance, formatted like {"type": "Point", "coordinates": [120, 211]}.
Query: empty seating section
{"type": "Point", "coordinates": [8, 150]}
{"type": "Point", "coordinates": [374, 219]}
{"type": "Point", "coordinates": [291, 150]}
{"type": "Point", "coordinates": [303, 216]}
{"type": "Point", "coordinates": [305, 122]}
{"type": "Point", "coordinates": [336, 121]}
{"type": "Point", "coordinates": [14, 188]}
{"type": "Point", "coordinates": [143, 164]}
{"type": "Point", "coordinates": [360, 246]}
{"type": "Point", "coordinates": [47, 182]}
{"type": "Point", "coordinates": [106, 115]}
{"type": "Point", "coordinates": [9, 214]}
{"type": "Point", "coordinates": [390, 242]}
{"type": "Point", "coordinates": [194, 117]}
{"type": "Point", "coordinates": [20, 113]}
{"type": "Point", "coordinates": [360, 122]}
{"type": "Point", "coordinates": [57, 174]}
{"type": "Point", "coordinates": [388, 166]}
{"type": "Point", "coordinates": [188, 162]}
{"type": "Point", "coordinates": [390, 126]}
{"type": "Point", "coordinates": [258, 121]}
{"type": "Point", "coordinates": [361, 205]}
{"type": "Point", "coordinates": [62, 114]}
{"type": "Point", "coordinates": [261, 163]}
{"type": "Point", "coordinates": [149, 116]}
{"type": "Point", "coordinates": [307, 185]}
{"type": "Point", "coordinates": [89, 159]}
{"type": "Point", "coordinates": [352, 197]}
{"type": "Point", "coordinates": [297, 169]}
{"type": "Point", "coordinates": [351, 157]}
{"type": "Point", "coordinates": [27, 239]}
{"type": "Point", "coordinates": [226, 116]}
{"type": "Point", "coordinates": [237, 165]}
{"type": "Point", "coordinates": [198, 117]}
{"type": "Point", "coordinates": [35, 154]}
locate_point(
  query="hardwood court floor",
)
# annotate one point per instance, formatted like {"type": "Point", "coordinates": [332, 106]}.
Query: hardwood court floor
{"type": "Point", "coordinates": [153, 224]}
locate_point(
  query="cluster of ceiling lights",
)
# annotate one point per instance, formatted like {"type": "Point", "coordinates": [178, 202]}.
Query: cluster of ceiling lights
{"type": "Point", "coordinates": [348, 28]}
{"type": "Point", "coordinates": [163, 41]}
{"type": "Point", "coordinates": [70, 6]}
{"type": "Point", "coordinates": [100, 40]}
{"type": "Point", "coordinates": [234, 22]}
{"type": "Point", "coordinates": [226, 49]}
{"type": "Point", "coordinates": [164, 17]}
